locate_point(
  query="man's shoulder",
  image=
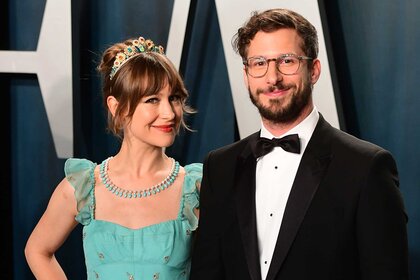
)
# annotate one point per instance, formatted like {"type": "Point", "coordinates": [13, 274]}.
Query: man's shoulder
{"type": "Point", "coordinates": [355, 143]}
{"type": "Point", "coordinates": [353, 146]}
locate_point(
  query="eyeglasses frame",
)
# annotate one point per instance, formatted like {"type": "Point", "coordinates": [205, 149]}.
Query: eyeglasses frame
{"type": "Point", "coordinates": [268, 60]}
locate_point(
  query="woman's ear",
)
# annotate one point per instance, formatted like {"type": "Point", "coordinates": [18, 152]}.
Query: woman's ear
{"type": "Point", "coordinates": [112, 104]}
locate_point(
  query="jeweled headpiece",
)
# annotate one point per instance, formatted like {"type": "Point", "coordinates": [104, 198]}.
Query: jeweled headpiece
{"type": "Point", "coordinates": [137, 47]}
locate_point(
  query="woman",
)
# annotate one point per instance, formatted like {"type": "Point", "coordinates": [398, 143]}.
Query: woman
{"type": "Point", "coordinates": [139, 207]}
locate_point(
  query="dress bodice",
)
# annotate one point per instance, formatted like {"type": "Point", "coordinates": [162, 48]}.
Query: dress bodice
{"type": "Point", "coordinates": [159, 251]}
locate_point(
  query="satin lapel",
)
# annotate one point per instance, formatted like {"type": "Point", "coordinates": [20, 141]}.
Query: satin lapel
{"type": "Point", "coordinates": [245, 206]}
{"type": "Point", "coordinates": [310, 172]}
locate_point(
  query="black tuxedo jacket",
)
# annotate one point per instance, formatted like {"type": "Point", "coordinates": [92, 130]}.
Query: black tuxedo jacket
{"type": "Point", "coordinates": [344, 218]}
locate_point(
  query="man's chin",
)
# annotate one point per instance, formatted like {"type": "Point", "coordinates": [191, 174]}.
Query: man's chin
{"type": "Point", "coordinates": [279, 113]}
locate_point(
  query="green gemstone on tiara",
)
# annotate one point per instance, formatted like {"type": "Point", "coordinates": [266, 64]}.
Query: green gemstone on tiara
{"type": "Point", "coordinates": [123, 193]}
{"type": "Point", "coordinates": [137, 46]}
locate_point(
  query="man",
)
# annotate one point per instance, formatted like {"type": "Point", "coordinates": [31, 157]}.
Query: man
{"type": "Point", "coordinates": [320, 205]}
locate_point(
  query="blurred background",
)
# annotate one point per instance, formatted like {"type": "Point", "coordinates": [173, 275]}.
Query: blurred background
{"type": "Point", "coordinates": [373, 52]}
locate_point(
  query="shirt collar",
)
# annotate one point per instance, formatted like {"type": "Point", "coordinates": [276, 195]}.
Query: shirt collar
{"type": "Point", "coordinates": [304, 129]}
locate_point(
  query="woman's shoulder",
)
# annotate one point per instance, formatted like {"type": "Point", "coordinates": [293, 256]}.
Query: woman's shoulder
{"type": "Point", "coordinates": [80, 173]}
{"type": "Point", "coordinates": [193, 175]}
{"type": "Point", "coordinates": [74, 165]}
{"type": "Point", "coordinates": [194, 169]}
{"type": "Point", "coordinates": [191, 190]}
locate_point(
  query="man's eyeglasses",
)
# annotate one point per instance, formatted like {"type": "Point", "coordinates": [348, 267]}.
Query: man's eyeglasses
{"type": "Point", "coordinates": [287, 64]}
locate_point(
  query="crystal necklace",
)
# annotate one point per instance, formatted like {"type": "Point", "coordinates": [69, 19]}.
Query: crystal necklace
{"type": "Point", "coordinates": [103, 173]}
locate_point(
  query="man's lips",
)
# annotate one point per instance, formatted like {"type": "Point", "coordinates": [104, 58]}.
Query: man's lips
{"type": "Point", "coordinates": [276, 92]}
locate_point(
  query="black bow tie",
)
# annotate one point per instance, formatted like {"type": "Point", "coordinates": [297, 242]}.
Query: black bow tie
{"type": "Point", "coordinates": [289, 143]}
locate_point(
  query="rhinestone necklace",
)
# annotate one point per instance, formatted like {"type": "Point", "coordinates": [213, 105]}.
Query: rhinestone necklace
{"type": "Point", "coordinates": [103, 174]}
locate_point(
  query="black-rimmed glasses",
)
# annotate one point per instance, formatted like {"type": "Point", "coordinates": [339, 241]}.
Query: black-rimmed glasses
{"type": "Point", "coordinates": [287, 64]}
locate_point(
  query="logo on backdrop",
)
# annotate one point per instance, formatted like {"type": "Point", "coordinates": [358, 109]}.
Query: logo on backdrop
{"type": "Point", "coordinates": [52, 62]}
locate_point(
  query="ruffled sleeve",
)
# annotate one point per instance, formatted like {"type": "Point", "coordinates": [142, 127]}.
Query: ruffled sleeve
{"type": "Point", "coordinates": [192, 181]}
{"type": "Point", "coordinates": [80, 174]}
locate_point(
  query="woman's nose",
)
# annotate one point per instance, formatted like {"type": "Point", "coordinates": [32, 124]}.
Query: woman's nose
{"type": "Point", "coordinates": [167, 110]}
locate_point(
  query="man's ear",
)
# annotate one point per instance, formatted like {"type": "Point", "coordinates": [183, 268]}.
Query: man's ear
{"type": "Point", "coordinates": [245, 76]}
{"type": "Point", "coordinates": [316, 71]}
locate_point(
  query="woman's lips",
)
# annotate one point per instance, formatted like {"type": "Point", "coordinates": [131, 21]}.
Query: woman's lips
{"type": "Point", "coordinates": [164, 128]}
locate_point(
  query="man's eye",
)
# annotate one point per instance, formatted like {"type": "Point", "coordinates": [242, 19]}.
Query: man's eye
{"type": "Point", "coordinates": [288, 61]}
{"type": "Point", "coordinates": [258, 63]}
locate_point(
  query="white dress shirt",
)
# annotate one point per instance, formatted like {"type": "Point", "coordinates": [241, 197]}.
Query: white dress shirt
{"type": "Point", "coordinates": [275, 174]}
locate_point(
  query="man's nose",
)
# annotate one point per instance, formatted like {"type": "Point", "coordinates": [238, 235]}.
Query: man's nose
{"type": "Point", "coordinates": [273, 74]}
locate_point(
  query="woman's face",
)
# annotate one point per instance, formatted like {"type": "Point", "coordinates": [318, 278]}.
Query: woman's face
{"type": "Point", "coordinates": [156, 120]}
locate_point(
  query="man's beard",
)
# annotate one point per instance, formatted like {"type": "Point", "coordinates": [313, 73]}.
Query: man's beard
{"type": "Point", "coordinates": [277, 111]}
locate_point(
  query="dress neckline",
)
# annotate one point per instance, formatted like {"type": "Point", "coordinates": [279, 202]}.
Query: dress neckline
{"type": "Point", "coordinates": [143, 228]}
{"type": "Point", "coordinates": [179, 215]}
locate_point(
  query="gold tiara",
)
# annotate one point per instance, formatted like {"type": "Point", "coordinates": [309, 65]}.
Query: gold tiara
{"type": "Point", "coordinates": [137, 46]}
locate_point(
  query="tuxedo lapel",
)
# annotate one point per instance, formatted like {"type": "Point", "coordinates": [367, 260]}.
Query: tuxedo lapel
{"type": "Point", "coordinates": [314, 162]}
{"type": "Point", "coordinates": [245, 207]}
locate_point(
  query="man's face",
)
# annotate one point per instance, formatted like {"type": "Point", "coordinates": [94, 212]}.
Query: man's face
{"type": "Point", "coordinates": [281, 98]}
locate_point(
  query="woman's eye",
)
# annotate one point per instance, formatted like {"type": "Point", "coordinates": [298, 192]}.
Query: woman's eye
{"type": "Point", "coordinates": [174, 98]}
{"type": "Point", "coordinates": [152, 100]}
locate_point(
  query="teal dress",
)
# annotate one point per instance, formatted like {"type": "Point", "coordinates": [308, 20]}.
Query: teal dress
{"type": "Point", "coordinates": [114, 252]}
